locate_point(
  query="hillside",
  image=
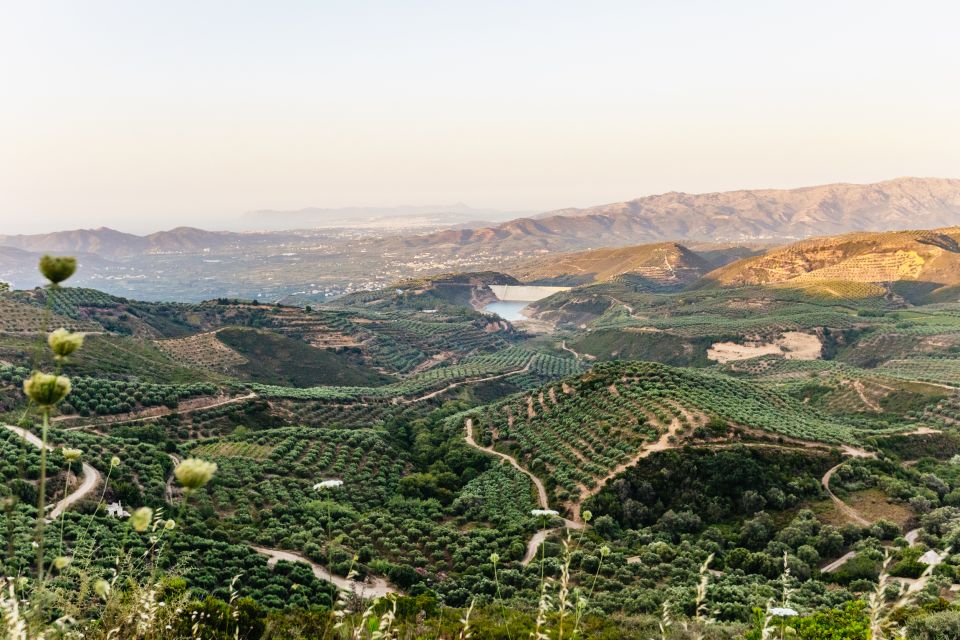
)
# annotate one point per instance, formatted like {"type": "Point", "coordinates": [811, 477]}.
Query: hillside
{"type": "Point", "coordinates": [453, 432]}
{"type": "Point", "coordinates": [580, 432]}
{"type": "Point", "coordinates": [110, 243]}
{"type": "Point", "coordinates": [930, 260]}
{"type": "Point", "coordinates": [661, 265]}
{"type": "Point", "coordinates": [743, 215]}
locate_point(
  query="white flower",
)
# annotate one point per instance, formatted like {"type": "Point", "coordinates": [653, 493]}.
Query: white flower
{"type": "Point", "coordinates": [544, 512]}
{"type": "Point", "coordinates": [328, 484]}
{"type": "Point", "coordinates": [783, 612]}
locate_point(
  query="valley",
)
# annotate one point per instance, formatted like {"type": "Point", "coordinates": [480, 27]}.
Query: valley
{"type": "Point", "coordinates": [391, 442]}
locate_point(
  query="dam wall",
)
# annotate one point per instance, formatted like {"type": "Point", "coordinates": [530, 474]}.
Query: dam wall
{"type": "Point", "coordinates": [523, 293]}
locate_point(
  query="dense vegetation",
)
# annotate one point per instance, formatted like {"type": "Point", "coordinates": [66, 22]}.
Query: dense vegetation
{"type": "Point", "coordinates": [699, 494]}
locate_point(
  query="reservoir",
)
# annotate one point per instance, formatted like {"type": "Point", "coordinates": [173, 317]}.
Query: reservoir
{"type": "Point", "coordinates": [508, 310]}
{"type": "Point", "coordinates": [512, 298]}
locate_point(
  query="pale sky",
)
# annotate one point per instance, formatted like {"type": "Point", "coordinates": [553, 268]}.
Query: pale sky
{"type": "Point", "coordinates": [146, 115]}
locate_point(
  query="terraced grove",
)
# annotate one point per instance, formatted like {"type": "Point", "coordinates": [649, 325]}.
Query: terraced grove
{"type": "Point", "coordinates": [578, 433]}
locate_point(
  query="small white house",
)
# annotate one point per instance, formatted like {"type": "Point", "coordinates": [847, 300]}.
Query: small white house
{"type": "Point", "coordinates": [116, 510]}
{"type": "Point", "coordinates": [931, 558]}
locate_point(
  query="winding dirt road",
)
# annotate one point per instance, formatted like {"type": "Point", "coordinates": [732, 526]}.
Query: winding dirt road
{"type": "Point", "coordinates": [663, 443]}
{"type": "Point", "coordinates": [454, 385]}
{"type": "Point", "coordinates": [844, 508]}
{"type": "Point", "coordinates": [91, 477]}
{"type": "Point", "coordinates": [537, 539]}
{"type": "Point", "coordinates": [371, 588]}
{"type": "Point", "coordinates": [168, 491]}
{"type": "Point", "coordinates": [157, 412]}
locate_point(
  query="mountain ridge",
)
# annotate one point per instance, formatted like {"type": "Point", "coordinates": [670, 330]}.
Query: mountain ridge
{"type": "Point", "coordinates": [743, 215]}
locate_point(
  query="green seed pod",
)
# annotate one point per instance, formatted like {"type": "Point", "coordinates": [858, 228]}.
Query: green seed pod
{"type": "Point", "coordinates": [102, 588]}
{"type": "Point", "coordinates": [61, 562]}
{"type": "Point", "coordinates": [63, 343]}
{"type": "Point", "coordinates": [194, 473]}
{"type": "Point", "coordinates": [140, 519]}
{"type": "Point", "coordinates": [71, 455]}
{"type": "Point", "coordinates": [56, 269]}
{"type": "Point", "coordinates": [45, 389]}
{"type": "Point", "coordinates": [114, 462]}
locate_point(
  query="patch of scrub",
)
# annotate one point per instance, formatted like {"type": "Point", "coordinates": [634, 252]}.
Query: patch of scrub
{"type": "Point", "coordinates": [792, 345]}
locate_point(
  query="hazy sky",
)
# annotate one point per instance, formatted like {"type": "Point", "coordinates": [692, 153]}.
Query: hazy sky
{"type": "Point", "coordinates": [144, 115]}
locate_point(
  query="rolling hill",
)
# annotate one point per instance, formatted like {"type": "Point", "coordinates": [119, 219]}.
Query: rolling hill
{"type": "Point", "coordinates": [919, 263]}
{"type": "Point", "coordinates": [664, 264]}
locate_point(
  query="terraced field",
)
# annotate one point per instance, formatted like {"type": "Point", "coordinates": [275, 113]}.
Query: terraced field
{"type": "Point", "coordinates": [202, 350]}
{"type": "Point", "coordinates": [507, 362]}
{"type": "Point", "coordinates": [579, 432]}
{"type": "Point", "coordinates": [20, 318]}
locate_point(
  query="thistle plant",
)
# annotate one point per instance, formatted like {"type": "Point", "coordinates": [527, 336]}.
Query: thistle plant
{"type": "Point", "coordinates": [45, 391]}
{"type": "Point", "coordinates": [194, 474]}
{"type": "Point", "coordinates": [63, 343]}
{"type": "Point", "coordinates": [779, 614]}
{"type": "Point", "coordinates": [495, 560]}
{"type": "Point", "coordinates": [325, 486]}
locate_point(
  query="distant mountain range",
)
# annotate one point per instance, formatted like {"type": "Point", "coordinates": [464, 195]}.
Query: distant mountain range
{"type": "Point", "coordinates": [409, 217]}
{"type": "Point", "coordinates": [109, 243]}
{"type": "Point", "coordinates": [715, 227]}
{"type": "Point", "coordinates": [732, 216]}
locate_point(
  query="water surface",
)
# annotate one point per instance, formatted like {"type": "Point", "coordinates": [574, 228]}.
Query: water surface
{"type": "Point", "coordinates": [508, 310]}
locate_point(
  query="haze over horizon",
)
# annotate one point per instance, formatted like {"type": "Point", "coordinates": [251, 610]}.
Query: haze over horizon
{"type": "Point", "coordinates": [146, 117]}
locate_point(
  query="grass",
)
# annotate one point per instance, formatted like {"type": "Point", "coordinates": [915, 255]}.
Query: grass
{"type": "Point", "coordinates": [873, 504]}
{"type": "Point", "coordinates": [276, 359]}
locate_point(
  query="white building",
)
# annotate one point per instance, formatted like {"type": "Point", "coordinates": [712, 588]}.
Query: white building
{"type": "Point", "coordinates": [116, 510]}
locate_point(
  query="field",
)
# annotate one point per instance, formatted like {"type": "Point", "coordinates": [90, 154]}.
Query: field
{"type": "Point", "coordinates": [202, 350]}
{"type": "Point", "coordinates": [19, 318]}
{"type": "Point", "coordinates": [579, 432]}
{"type": "Point", "coordinates": [620, 412]}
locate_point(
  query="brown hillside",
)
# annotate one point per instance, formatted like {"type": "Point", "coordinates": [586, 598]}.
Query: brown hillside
{"type": "Point", "coordinates": [929, 257]}
{"type": "Point", "coordinates": [664, 264]}
{"type": "Point", "coordinates": [732, 216]}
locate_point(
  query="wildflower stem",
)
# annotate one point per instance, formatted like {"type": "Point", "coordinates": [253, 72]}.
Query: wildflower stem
{"type": "Point", "coordinates": [86, 530]}
{"type": "Point", "coordinates": [543, 550]}
{"type": "Point", "coordinates": [595, 576]}
{"type": "Point", "coordinates": [503, 608]}
{"type": "Point", "coordinates": [41, 497]}
{"type": "Point", "coordinates": [63, 515]}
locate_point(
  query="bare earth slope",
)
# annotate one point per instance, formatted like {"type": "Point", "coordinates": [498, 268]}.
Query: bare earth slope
{"type": "Point", "coordinates": [663, 264]}
{"type": "Point", "coordinates": [930, 257]}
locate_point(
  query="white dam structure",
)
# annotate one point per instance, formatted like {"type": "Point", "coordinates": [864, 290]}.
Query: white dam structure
{"type": "Point", "coordinates": [523, 293]}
